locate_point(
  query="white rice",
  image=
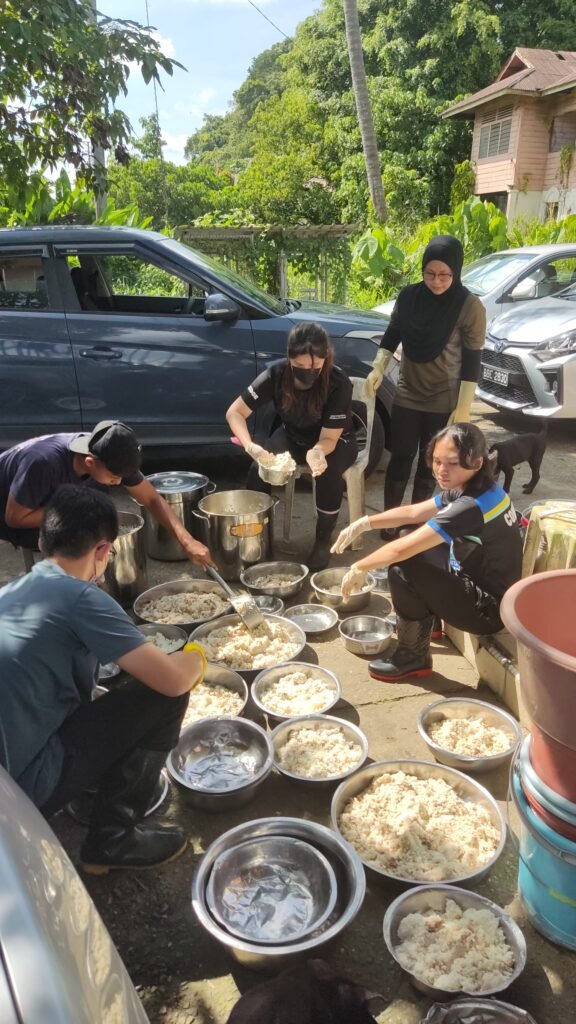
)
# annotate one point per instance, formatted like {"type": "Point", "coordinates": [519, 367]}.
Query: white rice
{"type": "Point", "coordinates": [237, 647]}
{"type": "Point", "coordinates": [188, 607]}
{"type": "Point", "coordinates": [297, 693]}
{"type": "Point", "coordinates": [210, 699]}
{"type": "Point", "coordinates": [470, 736]}
{"type": "Point", "coordinates": [318, 753]}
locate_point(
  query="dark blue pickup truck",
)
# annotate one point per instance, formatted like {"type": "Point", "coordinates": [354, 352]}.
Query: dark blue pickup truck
{"type": "Point", "coordinates": [99, 323]}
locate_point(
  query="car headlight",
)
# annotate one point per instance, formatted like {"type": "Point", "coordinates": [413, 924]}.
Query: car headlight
{"type": "Point", "coordinates": [561, 344]}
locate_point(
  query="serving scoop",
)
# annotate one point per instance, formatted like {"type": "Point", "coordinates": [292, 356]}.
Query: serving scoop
{"type": "Point", "coordinates": [243, 604]}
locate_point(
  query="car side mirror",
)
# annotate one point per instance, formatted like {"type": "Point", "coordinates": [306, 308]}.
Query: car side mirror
{"type": "Point", "coordinates": [526, 289]}
{"type": "Point", "coordinates": [218, 307]}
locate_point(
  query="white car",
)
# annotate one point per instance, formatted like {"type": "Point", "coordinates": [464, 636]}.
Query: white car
{"type": "Point", "coordinates": [515, 275]}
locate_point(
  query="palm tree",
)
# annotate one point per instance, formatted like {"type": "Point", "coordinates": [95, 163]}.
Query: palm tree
{"type": "Point", "coordinates": [365, 119]}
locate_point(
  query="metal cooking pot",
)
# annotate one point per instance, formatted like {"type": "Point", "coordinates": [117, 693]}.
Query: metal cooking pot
{"type": "Point", "coordinates": [125, 577]}
{"type": "Point", "coordinates": [238, 529]}
{"type": "Point", "coordinates": [182, 491]}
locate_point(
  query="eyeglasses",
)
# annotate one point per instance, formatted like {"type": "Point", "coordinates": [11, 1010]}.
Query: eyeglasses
{"type": "Point", "coordinates": [429, 275]}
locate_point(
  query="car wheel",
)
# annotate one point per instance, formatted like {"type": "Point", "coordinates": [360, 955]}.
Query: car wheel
{"type": "Point", "coordinates": [377, 443]}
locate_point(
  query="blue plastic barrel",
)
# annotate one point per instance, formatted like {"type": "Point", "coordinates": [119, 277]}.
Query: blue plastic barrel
{"type": "Point", "coordinates": [546, 873]}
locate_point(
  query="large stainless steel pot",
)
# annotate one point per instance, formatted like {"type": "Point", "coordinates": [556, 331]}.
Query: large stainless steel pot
{"type": "Point", "coordinates": [125, 576]}
{"type": "Point", "coordinates": [238, 529]}
{"type": "Point", "coordinates": [182, 491]}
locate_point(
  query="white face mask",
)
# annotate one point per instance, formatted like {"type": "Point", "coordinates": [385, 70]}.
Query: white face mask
{"type": "Point", "coordinates": [99, 575]}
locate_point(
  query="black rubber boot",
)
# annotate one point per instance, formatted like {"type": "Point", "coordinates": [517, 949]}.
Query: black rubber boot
{"type": "Point", "coordinates": [412, 655]}
{"type": "Point", "coordinates": [320, 553]}
{"type": "Point", "coordinates": [115, 838]}
{"type": "Point", "coordinates": [81, 808]}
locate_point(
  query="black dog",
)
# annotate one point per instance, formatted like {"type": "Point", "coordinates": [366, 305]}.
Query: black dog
{"type": "Point", "coordinates": [309, 994]}
{"type": "Point", "coordinates": [528, 448]}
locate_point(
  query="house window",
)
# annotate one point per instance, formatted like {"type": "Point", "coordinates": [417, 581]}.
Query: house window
{"type": "Point", "coordinates": [552, 211]}
{"type": "Point", "coordinates": [562, 132]}
{"type": "Point", "coordinates": [495, 133]}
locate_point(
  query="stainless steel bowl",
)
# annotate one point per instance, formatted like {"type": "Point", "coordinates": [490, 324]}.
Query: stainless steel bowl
{"type": "Point", "coordinates": [269, 605]}
{"type": "Point", "coordinates": [281, 734]}
{"type": "Point", "coordinates": [477, 1011]}
{"type": "Point", "coordinates": [218, 675]}
{"type": "Point", "coordinates": [294, 631]}
{"type": "Point", "coordinates": [365, 634]}
{"type": "Point", "coordinates": [272, 889]}
{"type": "Point", "coordinates": [467, 789]}
{"type": "Point", "coordinates": [269, 675]}
{"type": "Point", "coordinates": [221, 762]}
{"type": "Point", "coordinates": [350, 883]}
{"type": "Point", "coordinates": [312, 618]}
{"type": "Point", "coordinates": [461, 707]}
{"type": "Point", "coordinates": [275, 477]}
{"type": "Point", "coordinates": [321, 582]}
{"type": "Point", "coordinates": [187, 586]}
{"type": "Point", "coordinates": [172, 633]}
{"type": "Point", "coordinates": [434, 897]}
{"type": "Point", "coordinates": [253, 572]}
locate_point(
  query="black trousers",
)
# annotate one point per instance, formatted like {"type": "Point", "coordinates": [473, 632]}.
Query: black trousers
{"type": "Point", "coordinates": [17, 536]}
{"type": "Point", "coordinates": [411, 430]}
{"type": "Point", "coordinates": [100, 733]}
{"type": "Point", "coordinates": [423, 586]}
{"type": "Point", "coordinates": [329, 486]}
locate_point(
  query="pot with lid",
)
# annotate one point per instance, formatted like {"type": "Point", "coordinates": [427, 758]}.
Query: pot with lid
{"type": "Point", "coordinates": [182, 490]}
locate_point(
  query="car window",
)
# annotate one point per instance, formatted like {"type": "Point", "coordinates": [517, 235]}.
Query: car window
{"type": "Point", "coordinates": [481, 276]}
{"type": "Point", "coordinates": [22, 283]}
{"type": "Point", "coordinates": [128, 283]}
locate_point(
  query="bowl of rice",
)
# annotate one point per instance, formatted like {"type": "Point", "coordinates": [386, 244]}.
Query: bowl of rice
{"type": "Point", "coordinates": [182, 603]}
{"type": "Point", "coordinates": [275, 579]}
{"type": "Point", "coordinates": [417, 822]}
{"type": "Point", "coordinates": [471, 735]}
{"type": "Point", "coordinates": [327, 587]}
{"type": "Point", "coordinates": [166, 638]}
{"type": "Point", "coordinates": [295, 689]}
{"type": "Point", "coordinates": [229, 642]}
{"type": "Point", "coordinates": [318, 748]}
{"type": "Point", "coordinates": [451, 941]}
{"type": "Point", "coordinates": [221, 692]}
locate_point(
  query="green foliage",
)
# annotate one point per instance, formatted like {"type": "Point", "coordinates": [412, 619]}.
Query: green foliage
{"type": "Point", "coordinates": [462, 184]}
{"type": "Point", "coordinates": [61, 75]}
{"type": "Point", "coordinates": [151, 143]}
{"type": "Point", "coordinates": [166, 193]}
{"type": "Point", "coordinates": [40, 201]}
{"type": "Point", "coordinates": [533, 232]}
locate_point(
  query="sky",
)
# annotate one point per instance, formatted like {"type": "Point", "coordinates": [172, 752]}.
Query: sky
{"type": "Point", "coordinates": [215, 40]}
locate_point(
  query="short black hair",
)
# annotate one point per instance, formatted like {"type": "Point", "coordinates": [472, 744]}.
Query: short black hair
{"type": "Point", "coordinates": [471, 445]}
{"type": "Point", "coordinates": [77, 517]}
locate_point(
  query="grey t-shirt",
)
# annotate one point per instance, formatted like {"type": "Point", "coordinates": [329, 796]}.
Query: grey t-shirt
{"type": "Point", "coordinates": [54, 630]}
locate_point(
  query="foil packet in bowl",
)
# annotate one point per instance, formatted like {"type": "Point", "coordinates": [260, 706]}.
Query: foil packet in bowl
{"type": "Point", "coordinates": [477, 1011]}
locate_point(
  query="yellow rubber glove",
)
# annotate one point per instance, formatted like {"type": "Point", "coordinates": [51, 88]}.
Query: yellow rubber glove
{"type": "Point", "coordinates": [466, 394]}
{"type": "Point", "coordinates": [193, 646]}
{"type": "Point", "coordinates": [376, 375]}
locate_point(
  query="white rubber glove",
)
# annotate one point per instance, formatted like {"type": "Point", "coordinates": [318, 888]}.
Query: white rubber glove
{"type": "Point", "coordinates": [466, 394]}
{"type": "Point", "coordinates": [256, 451]}
{"type": "Point", "coordinates": [316, 459]}
{"type": "Point", "coordinates": [346, 537]}
{"type": "Point", "coordinates": [376, 375]}
{"type": "Point", "coordinates": [353, 582]}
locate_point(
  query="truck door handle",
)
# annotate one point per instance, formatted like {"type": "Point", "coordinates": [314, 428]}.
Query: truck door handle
{"type": "Point", "coordinates": [100, 352]}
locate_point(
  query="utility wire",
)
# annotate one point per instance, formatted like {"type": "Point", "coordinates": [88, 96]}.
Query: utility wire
{"type": "Point", "coordinates": [268, 19]}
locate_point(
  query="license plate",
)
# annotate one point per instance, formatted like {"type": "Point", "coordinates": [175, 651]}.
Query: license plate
{"type": "Point", "coordinates": [497, 376]}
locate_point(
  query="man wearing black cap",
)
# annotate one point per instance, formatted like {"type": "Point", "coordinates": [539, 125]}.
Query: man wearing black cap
{"type": "Point", "coordinates": [31, 472]}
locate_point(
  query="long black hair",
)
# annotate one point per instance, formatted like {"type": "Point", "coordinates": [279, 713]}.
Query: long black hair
{"type": "Point", "coordinates": [471, 446]}
{"type": "Point", "coordinates": [307, 339]}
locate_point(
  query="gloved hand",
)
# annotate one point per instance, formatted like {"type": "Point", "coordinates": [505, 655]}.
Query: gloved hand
{"type": "Point", "coordinates": [316, 459]}
{"type": "Point", "coordinates": [466, 394]}
{"type": "Point", "coordinates": [376, 375]}
{"type": "Point", "coordinates": [353, 582]}
{"type": "Point", "coordinates": [348, 535]}
{"type": "Point", "coordinates": [256, 451]}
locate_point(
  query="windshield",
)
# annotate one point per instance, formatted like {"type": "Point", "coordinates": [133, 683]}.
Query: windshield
{"type": "Point", "coordinates": [228, 276]}
{"type": "Point", "coordinates": [568, 293]}
{"type": "Point", "coordinates": [491, 271]}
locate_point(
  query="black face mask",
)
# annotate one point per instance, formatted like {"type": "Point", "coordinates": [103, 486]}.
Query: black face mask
{"type": "Point", "coordinates": [305, 378]}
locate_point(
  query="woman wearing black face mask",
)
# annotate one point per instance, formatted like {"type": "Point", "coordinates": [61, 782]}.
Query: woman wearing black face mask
{"type": "Point", "coordinates": [313, 399]}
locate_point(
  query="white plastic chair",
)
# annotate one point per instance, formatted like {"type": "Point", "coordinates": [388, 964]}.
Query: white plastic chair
{"type": "Point", "coordinates": [353, 477]}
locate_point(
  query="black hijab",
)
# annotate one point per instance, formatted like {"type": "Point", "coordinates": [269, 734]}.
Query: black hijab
{"type": "Point", "coordinates": [426, 321]}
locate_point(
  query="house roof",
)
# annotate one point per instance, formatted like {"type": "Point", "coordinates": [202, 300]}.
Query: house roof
{"type": "Point", "coordinates": [526, 72]}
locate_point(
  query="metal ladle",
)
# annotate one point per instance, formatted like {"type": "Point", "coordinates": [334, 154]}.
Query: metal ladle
{"type": "Point", "coordinates": [243, 604]}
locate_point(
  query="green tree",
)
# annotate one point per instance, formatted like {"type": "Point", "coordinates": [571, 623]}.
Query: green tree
{"type": "Point", "coordinates": [150, 143]}
{"type": "Point", "coordinates": [60, 77]}
{"type": "Point", "coordinates": [167, 193]}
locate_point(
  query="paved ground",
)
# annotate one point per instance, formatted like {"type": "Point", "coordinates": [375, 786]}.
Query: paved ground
{"type": "Point", "coordinates": [185, 978]}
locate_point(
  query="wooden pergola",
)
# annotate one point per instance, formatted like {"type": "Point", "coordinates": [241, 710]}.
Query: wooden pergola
{"type": "Point", "coordinates": [228, 242]}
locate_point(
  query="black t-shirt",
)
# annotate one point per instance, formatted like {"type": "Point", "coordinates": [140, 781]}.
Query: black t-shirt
{"type": "Point", "coordinates": [301, 428]}
{"type": "Point", "coordinates": [33, 470]}
{"type": "Point", "coordinates": [484, 537]}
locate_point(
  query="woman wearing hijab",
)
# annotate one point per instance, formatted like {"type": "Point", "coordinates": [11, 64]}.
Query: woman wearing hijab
{"type": "Point", "coordinates": [313, 399]}
{"type": "Point", "coordinates": [442, 327]}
